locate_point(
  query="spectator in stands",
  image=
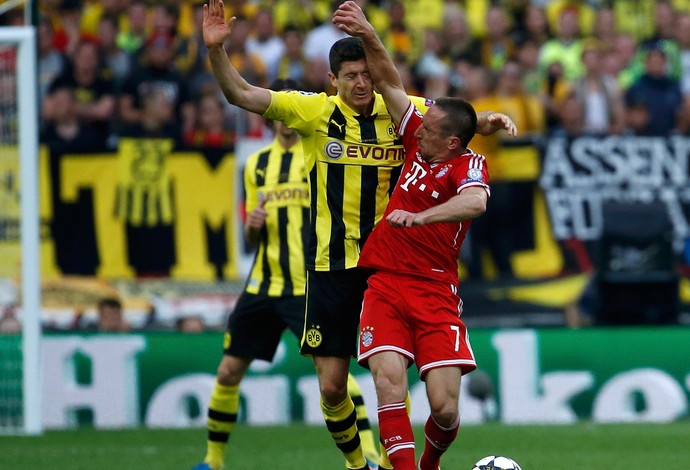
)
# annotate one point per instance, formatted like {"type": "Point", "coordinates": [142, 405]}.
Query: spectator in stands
{"type": "Point", "coordinates": [94, 11]}
{"type": "Point", "coordinates": [315, 78]}
{"type": "Point", "coordinates": [132, 39]}
{"type": "Point", "coordinates": [190, 324]}
{"type": "Point", "coordinates": [528, 60]}
{"type": "Point", "coordinates": [501, 230]}
{"type": "Point", "coordinates": [431, 70]}
{"type": "Point", "coordinates": [636, 115]}
{"type": "Point", "coordinates": [65, 132]}
{"type": "Point", "coordinates": [659, 92]}
{"type": "Point", "coordinates": [241, 8]}
{"type": "Point", "coordinates": [302, 15]}
{"type": "Point", "coordinates": [318, 41]}
{"type": "Point", "coordinates": [67, 25]}
{"type": "Point", "coordinates": [210, 130]}
{"type": "Point", "coordinates": [199, 77]}
{"type": "Point", "coordinates": [455, 34]}
{"type": "Point", "coordinates": [570, 118]}
{"type": "Point", "coordinates": [599, 93]}
{"type": "Point", "coordinates": [536, 27]}
{"type": "Point", "coordinates": [293, 63]}
{"type": "Point", "coordinates": [605, 26]}
{"type": "Point", "coordinates": [110, 318]}
{"type": "Point", "coordinates": [400, 40]}
{"type": "Point", "coordinates": [683, 39]}
{"type": "Point", "coordinates": [93, 89]}
{"type": "Point", "coordinates": [497, 46]}
{"type": "Point", "coordinates": [51, 62]}
{"type": "Point", "coordinates": [565, 48]}
{"type": "Point", "coordinates": [116, 61]}
{"type": "Point", "coordinates": [583, 14]}
{"type": "Point", "coordinates": [9, 323]}
{"type": "Point", "coordinates": [249, 65]}
{"type": "Point", "coordinates": [158, 73]}
{"type": "Point", "coordinates": [265, 43]}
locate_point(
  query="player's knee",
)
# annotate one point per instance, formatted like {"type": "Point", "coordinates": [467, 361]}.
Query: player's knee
{"type": "Point", "coordinates": [230, 372]}
{"type": "Point", "coordinates": [390, 389]}
{"type": "Point", "coordinates": [445, 413]}
{"type": "Point", "coordinates": [333, 391]}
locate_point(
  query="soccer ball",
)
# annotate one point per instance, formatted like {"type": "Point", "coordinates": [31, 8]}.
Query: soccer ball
{"type": "Point", "coordinates": [496, 462]}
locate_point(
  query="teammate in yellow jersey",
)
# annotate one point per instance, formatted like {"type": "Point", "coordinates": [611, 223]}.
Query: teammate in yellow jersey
{"type": "Point", "coordinates": [277, 197]}
{"type": "Point", "coordinates": [352, 158]}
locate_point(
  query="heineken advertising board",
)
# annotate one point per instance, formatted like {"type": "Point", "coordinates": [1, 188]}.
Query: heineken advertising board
{"type": "Point", "coordinates": [556, 376]}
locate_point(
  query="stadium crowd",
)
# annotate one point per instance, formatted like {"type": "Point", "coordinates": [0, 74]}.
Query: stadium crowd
{"type": "Point", "coordinates": [114, 67]}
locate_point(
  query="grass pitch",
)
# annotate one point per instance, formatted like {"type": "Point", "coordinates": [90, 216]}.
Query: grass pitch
{"type": "Point", "coordinates": [584, 446]}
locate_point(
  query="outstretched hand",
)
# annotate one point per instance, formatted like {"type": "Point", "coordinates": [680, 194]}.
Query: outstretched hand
{"type": "Point", "coordinates": [499, 121]}
{"type": "Point", "coordinates": [350, 18]}
{"type": "Point", "coordinates": [215, 30]}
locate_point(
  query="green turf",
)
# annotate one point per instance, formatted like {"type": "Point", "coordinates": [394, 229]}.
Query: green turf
{"type": "Point", "coordinates": [578, 447]}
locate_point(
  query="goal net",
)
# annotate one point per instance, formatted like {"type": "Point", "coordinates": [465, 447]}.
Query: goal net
{"type": "Point", "coordinates": [20, 329]}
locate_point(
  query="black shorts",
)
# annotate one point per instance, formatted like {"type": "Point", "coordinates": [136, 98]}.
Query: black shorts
{"type": "Point", "coordinates": [334, 303]}
{"type": "Point", "coordinates": [257, 323]}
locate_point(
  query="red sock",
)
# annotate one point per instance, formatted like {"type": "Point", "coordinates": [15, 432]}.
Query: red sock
{"type": "Point", "coordinates": [437, 442]}
{"type": "Point", "coordinates": [396, 435]}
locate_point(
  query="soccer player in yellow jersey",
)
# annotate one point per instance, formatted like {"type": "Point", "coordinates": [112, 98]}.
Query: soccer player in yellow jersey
{"type": "Point", "coordinates": [352, 159]}
{"type": "Point", "coordinates": [277, 197]}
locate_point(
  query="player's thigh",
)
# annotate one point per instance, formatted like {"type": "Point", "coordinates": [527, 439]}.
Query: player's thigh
{"type": "Point", "coordinates": [383, 324]}
{"type": "Point", "coordinates": [441, 337]}
{"type": "Point", "coordinates": [254, 328]}
{"type": "Point", "coordinates": [334, 302]}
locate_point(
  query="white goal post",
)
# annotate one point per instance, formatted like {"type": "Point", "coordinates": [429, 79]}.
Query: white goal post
{"type": "Point", "coordinates": [27, 109]}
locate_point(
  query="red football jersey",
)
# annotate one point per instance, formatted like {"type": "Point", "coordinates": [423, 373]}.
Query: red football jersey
{"type": "Point", "coordinates": [431, 250]}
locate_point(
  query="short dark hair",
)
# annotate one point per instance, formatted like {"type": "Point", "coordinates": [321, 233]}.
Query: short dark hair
{"type": "Point", "coordinates": [284, 84]}
{"type": "Point", "coordinates": [109, 302]}
{"type": "Point", "coordinates": [345, 50]}
{"type": "Point", "coordinates": [460, 120]}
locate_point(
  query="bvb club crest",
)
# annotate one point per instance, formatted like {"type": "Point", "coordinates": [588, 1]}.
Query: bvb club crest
{"type": "Point", "coordinates": [314, 337]}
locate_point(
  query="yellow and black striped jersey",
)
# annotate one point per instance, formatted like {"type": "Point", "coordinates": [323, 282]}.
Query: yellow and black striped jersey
{"type": "Point", "coordinates": [352, 162]}
{"type": "Point", "coordinates": [276, 175]}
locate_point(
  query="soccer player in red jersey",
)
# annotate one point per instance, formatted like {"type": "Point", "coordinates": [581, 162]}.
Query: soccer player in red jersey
{"type": "Point", "coordinates": [412, 311]}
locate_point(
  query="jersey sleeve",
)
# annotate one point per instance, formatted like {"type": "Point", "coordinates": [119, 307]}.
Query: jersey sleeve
{"type": "Point", "coordinates": [409, 123]}
{"type": "Point", "coordinates": [473, 172]}
{"type": "Point", "coordinates": [251, 190]}
{"type": "Point", "coordinates": [298, 110]}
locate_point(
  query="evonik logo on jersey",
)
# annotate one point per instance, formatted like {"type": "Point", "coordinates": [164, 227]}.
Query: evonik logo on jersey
{"type": "Point", "coordinates": [335, 150]}
{"type": "Point", "coordinates": [286, 194]}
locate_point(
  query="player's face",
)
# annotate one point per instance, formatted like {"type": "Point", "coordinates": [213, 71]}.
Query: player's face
{"type": "Point", "coordinates": [354, 85]}
{"type": "Point", "coordinates": [433, 145]}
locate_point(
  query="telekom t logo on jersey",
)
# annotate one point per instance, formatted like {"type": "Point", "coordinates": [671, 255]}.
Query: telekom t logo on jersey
{"type": "Point", "coordinates": [415, 174]}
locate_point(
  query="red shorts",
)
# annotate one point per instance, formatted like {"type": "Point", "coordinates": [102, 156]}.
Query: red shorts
{"type": "Point", "coordinates": [418, 318]}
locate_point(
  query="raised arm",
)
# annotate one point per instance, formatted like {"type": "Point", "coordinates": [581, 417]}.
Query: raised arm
{"type": "Point", "coordinates": [235, 88]}
{"type": "Point", "coordinates": [350, 18]}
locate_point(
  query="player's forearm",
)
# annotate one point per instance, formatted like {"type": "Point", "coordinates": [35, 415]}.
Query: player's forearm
{"type": "Point", "coordinates": [457, 209]}
{"type": "Point", "coordinates": [483, 126]}
{"type": "Point", "coordinates": [381, 66]}
{"type": "Point", "coordinates": [235, 88]}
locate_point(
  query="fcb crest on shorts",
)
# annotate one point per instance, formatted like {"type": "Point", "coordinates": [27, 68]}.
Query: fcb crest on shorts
{"type": "Point", "coordinates": [367, 336]}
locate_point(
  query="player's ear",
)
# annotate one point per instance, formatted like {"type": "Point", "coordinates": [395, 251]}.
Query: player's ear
{"type": "Point", "coordinates": [333, 79]}
{"type": "Point", "coordinates": [454, 143]}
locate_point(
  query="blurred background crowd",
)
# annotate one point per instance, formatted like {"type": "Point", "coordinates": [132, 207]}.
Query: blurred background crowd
{"type": "Point", "coordinates": [111, 69]}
